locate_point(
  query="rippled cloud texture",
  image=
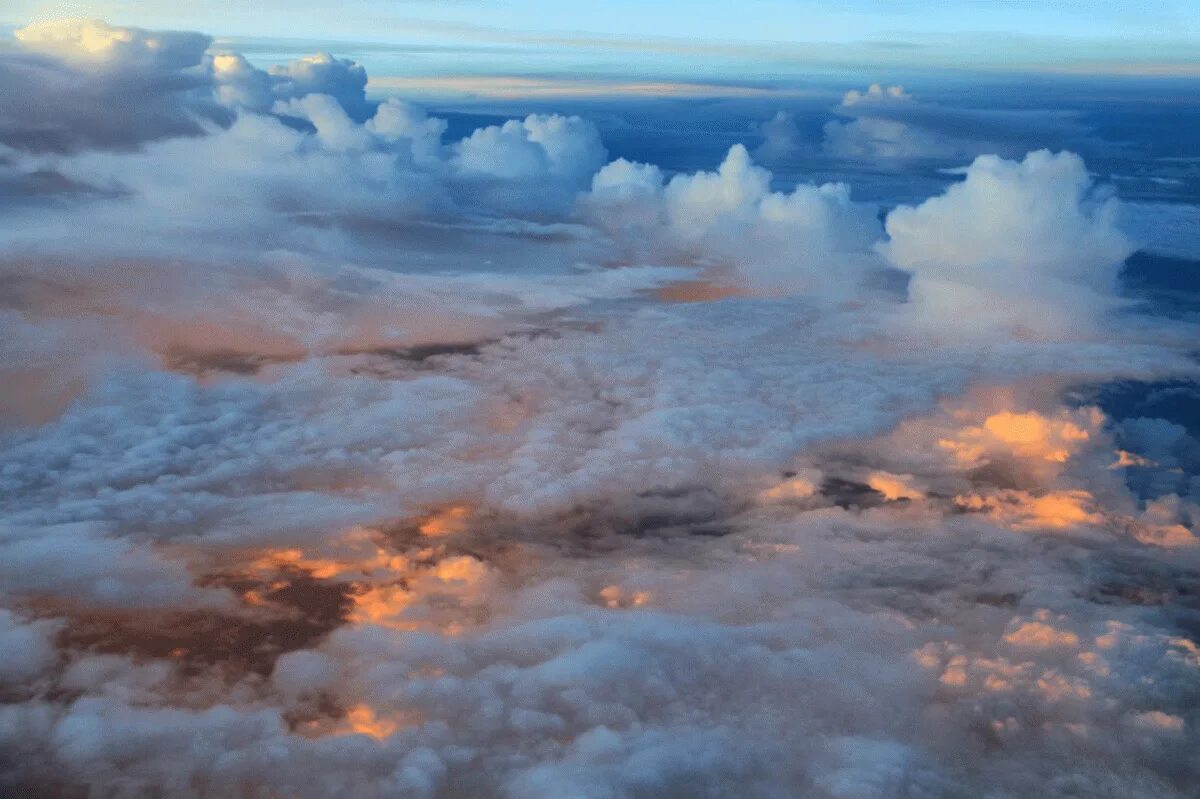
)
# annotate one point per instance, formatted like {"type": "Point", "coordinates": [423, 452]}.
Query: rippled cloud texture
{"type": "Point", "coordinates": [344, 458]}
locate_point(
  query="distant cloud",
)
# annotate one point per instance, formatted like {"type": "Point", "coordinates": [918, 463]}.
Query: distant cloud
{"type": "Point", "coordinates": [343, 457]}
{"type": "Point", "coordinates": [889, 124]}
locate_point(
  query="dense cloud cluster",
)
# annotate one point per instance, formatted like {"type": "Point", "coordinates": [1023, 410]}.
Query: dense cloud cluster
{"type": "Point", "coordinates": [1032, 242]}
{"type": "Point", "coordinates": [339, 459]}
{"type": "Point", "coordinates": [813, 238]}
{"type": "Point", "coordinates": [73, 85]}
{"type": "Point", "coordinates": [887, 124]}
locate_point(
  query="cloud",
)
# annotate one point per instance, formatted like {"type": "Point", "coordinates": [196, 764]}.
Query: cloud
{"type": "Point", "coordinates": [339, 78]}
{"type": "Point", "coordinates": [890, 125]}
{"type": "Point", "coordinates": [28, 646]}
{"type": "Point", "coordinates": [77, 84]}
{"type": "Point", "coordinates": [781, 139]}
{"type": "Point", "coordinates": [812, 239]}
{"type": "Point", "coordinates": [1032, 243]}
{"type": "Point", "coordinates": [880, 128]}
{"type": "Point", "coordinates": [239, 84]}
{"type": "Point", "coordinates": [876, 95]}
{"type": "Point", "coordinates": [338, 459]}
{"type": "Point", "coordinates": [532, 148]}
{"type": "Point", "coordinates": [119, 48]}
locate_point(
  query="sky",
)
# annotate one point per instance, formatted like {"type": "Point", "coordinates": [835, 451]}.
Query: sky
{"type": "Point", "coordinates": [442, 400]}
{"type": "Point", "coordinates": [760, 37]}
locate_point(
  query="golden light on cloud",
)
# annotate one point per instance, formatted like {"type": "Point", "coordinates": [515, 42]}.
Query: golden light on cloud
{"type": "Point", "coordinates": [1040, 634]}
{"type": "Point", "coordinates": [1021, 510]}
{"type": "Point", "coordinates": [1033, 435]}
{"type": "Point", "coordinates": [351, 556]}
{"type": "Point", "coordinates": [449, 521]}
{"type": "Point", "coordinates": [362, 719]}
{"type": "Point", "coordinates": [1158, 720]}
{"type": "Point", "coordinates": [439, 449]}
{"type": "Point", "coordinates": [383, 606]}
{"type": "Point", "coordinates": [614, 596]}
{"type": "Point", "coordinates": [1028, 435]}
{"type": "Point", "coordinates": [1127, 459]}
{"type": "Point", "coordinates": [894, 486]}
{"type": "Point", "coordinates": [790, 490]}
{"type": "Point", "coordinates": [1167, 536]}
{"type": "Point", "coordinates": [1060, 510]}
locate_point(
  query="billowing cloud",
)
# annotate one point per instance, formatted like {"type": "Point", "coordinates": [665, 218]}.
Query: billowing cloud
{"type": "Point", "coordinates": [339, 78]}
{"type": "Point", "coordinates": [811, 239]}
{"type": "Point", "coordinates": [117, 48]}
{"type": "Point", "coordinates": [340, 459]}
{"type": "Point", "coordinates": [74, 84]}
{"type": "Point", "coordinates": [1031, 243]}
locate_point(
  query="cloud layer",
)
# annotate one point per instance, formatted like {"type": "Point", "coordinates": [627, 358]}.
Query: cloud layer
{"type": "Point", "coordinates": [340, 458]}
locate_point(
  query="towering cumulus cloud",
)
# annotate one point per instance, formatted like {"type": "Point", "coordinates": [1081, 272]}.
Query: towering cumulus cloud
{"type": "Point", "coordinates": [812, 239]}
{"type": "Point", "coordinates": [342, 458]}
{"type": "Point", "coordinates": [1030, 242]}
{"type": "Point", "coordinates": [75, 84]}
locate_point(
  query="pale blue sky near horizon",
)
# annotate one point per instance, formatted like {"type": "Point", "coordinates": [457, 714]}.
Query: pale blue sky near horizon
{"type": "Point", "coordinates": [697, 37]}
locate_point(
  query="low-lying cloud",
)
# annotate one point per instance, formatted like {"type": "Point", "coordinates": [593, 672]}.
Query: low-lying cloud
{"type": "Point", "coordinates": [343, 459]}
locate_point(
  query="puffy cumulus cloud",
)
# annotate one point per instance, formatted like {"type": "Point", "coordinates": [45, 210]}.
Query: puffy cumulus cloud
{"type": "Point", "coordinates": [335, 129]}
{"type": "Point", "coordinates": [878, 129]}
{"type": "Point", "coordinates": [379, 466]}
{"type": "Point", "coordinates": [259, 183]}
{"type": "Point", "coordinates": [558, 153]}
{"type": "Point", "coordinates": [339, 78]}
{"type": "Point", "coordinates": [1032, 244]}
{"type": "Point", "coordinates": [115, 47]}
{"type": "Point", "coordinates": [504, 151]}
{"type": "Point", "coordinates": [781, 139]}
{"type": "Point", "coordinates": [75, 84]}
{"type": "Point", "coordinates": [812, 239]}
{"type": "Point", "coordinates": [876, 95]}
{"type": "Point", "coordinates": [239, 84]}
{"type": "Point", "coordinates": [887, 124]}
{"type": "Point", "coordinates": [561, 152]}
{"type": "Point", "coordinates": [397, 120]}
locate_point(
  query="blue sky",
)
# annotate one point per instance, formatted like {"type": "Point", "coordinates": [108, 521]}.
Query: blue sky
{"type": "Point", "coordinates": [707, 37]}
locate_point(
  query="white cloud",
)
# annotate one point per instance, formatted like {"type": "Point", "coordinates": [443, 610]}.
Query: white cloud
{"type": "Point", "coordinates": [538, 146]}
{"type": "Point", "coordinates": [1030, 243]}
{"type": "Point", "coordinates": [339, 78]}
{"type": "Point", "coordinates": [876, 95]}
{"type": "Point", "coordinates": [814, 239]}
{"type": "Point", "coordinates": [345, 462]}
{"type": "Point", "coordinates": [115, 47]}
